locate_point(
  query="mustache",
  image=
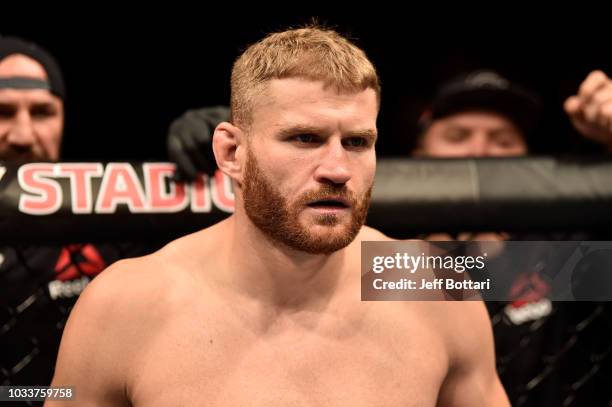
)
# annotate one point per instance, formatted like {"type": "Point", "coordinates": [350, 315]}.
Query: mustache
{"type": "Point", "coordinates": [26, 153]}
{"type": "Point", "coordinates": [328, 192]}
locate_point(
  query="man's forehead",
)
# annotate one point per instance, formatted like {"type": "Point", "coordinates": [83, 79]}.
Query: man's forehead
{"type": "Point", "coordinates": [306, 91]}
{"type": "Point", "coordinates": [478, 119]}
{"type": "Point", "coordinates": [19, 65]}
{"type": "Point", "coordinates": [27, 96]}
{"type": "Point", "coordinates": [303, 103]}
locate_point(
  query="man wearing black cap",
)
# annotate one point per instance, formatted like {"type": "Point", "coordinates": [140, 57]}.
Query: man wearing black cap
{"type": "Point", "coordinates": [31, 103]}
{"type": "Point", "coordinates": [484, 114]}
{"type": "Point", "coordinates": [478, 114]}
{"type": "Point", "coordinates": [38, 284]}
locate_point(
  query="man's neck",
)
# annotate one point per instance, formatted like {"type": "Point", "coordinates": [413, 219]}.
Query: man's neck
{"type": "Point", "coordinates": [276, 275]}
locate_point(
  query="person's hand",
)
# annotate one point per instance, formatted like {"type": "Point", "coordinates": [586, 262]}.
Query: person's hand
{"type": "Point", "coordinates": [189, 141]}
{"type": "Point", "coordinates": [591, 109]}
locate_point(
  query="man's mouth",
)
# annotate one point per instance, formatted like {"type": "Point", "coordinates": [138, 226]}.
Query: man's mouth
{"type": "Point", "coordinates": [21, 155]}
{"type": "Point", "coordinates": [330, 204]}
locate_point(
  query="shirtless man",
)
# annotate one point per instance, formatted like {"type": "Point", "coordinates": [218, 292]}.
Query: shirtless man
{"type": "Point", "coordinates": [263, 309]}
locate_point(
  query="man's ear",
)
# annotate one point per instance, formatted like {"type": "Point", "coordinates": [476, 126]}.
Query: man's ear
{"type": "Point", "coordinates": [228, 142]}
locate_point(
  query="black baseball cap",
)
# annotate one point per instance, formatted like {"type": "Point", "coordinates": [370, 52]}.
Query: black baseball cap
{"type": "Point", "coordinates": [55, 82]}
{"type": "Point", "coordinates": [486, 90]}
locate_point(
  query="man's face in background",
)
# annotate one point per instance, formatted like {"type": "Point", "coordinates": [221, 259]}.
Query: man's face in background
{"type": "Point", "coordinates": [472, 134]}
{"type": "Point", "coordinates": [31, 120]}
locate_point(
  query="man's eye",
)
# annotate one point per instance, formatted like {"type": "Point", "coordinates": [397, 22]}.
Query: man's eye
{"type": "Point", "coordinates": [42, 111]}
{"type": "Point", "coordinates": [356, 142]}
{"type": "Point", "coordinates": [505, 143]}
{"type": "Point", "coordinates": [506, 140]}
{"type": "Point", "coordinates": [7, 112]}
{"type": "Point", "coordinates": [304, 138]}
{"type": "Point", "coordinates": [456, 136]}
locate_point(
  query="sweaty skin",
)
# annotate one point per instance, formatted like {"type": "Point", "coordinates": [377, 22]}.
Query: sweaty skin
{"type": "Point", "coordinates": [232, 316]}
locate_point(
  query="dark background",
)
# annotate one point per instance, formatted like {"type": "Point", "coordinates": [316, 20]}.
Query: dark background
{"type": "Point", "coordinates": [128, 76]}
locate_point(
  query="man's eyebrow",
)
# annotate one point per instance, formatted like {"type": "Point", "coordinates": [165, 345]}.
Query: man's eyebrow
{"type": "Point", "coordinates": [305, 129]}
{"type": "Point", "coordinates": [366, 133]}
{"type": "Point", "coordinates": [43, 105]}
{"type": "Point", "coordinates": [458, 127]}
{"type": "Point", "coordinates": [300, 129]}
{"type": "Point", "coordinates": [6, 106]}
{"type": "Point", "coordinates": [503, 130]}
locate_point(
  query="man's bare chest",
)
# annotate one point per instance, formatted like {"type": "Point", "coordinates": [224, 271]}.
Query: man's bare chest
{"type": "Point", "coordinates": [222, 363]}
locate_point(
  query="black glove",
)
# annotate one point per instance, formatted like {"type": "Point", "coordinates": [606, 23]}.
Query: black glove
{"type": "Point", "coordinates": [190, 141]}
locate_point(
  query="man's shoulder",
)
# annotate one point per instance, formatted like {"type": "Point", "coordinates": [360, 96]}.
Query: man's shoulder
{"type": "Point", "coordinates": [460, 324]}
{"type": "Point", "coordinates": [122, 288]}
{"type": "Point", "coordinates": [134, 285]}
{"type": "Point", "coordinates": [169, 263]}
{"type": "Point", "coordinates": [461, 314]}
{"type": "Point", "coordinates": [465, 325]}
{"type": "Point", "coordinates": [166, 274]}
{"type": "Point", "coordinates": [122, 309]}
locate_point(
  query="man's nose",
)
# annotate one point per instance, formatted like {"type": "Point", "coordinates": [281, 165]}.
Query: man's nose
{"type": "Point", "coordinates": [21, 132]}
{"type": "Point", "coordinates": [479, 145]}
{"type": "Point", "coordinates": [334, 164]}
